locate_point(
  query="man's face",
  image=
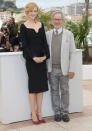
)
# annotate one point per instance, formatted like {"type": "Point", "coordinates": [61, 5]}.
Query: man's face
{"type": "Point", "coordinates": [9, 21]}
{"type": "Point", "coordinates": [57, 21]}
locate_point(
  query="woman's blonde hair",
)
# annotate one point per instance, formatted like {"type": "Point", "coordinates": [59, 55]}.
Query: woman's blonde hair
{"type": "Point", "coordinates": [30, 6]}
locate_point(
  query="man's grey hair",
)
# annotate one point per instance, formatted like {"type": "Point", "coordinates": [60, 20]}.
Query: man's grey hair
{"type": "Point", "coordinates": [57, 12]}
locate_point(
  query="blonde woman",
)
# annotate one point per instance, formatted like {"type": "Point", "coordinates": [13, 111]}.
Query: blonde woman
{"type": "Point", "coordinates": [35, 51]}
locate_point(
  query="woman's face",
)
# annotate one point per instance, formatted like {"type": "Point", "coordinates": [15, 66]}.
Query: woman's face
{"type": "Point", "coordinates": [33, 14]}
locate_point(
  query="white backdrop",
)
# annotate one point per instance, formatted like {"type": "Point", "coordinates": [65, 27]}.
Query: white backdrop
{"type": "Point", "coordinates": [14, 97]}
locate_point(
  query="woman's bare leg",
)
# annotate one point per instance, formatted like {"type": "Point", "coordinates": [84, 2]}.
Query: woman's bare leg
{"type": "Point", "coordinates": [39, 98]}
{"type": "Point", "coordinates": [33, 104]}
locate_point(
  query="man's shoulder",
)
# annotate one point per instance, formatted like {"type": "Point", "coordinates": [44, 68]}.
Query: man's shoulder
{"type": "Point", "coordinates": [68, 31]}
{"type": "Point", "coordinates": [50, 31]}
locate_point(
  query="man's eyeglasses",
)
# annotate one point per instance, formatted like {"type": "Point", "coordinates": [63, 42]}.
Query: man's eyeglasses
{"type": "Point", "coordinates": [57, 19]}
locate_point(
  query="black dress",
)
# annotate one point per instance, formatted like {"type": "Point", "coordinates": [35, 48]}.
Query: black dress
{"type": "Point", "coordinates": [35, 45]}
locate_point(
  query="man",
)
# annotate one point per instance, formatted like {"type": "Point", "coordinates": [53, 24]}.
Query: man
{"type": "Point", "coordinates": [0, 23]}
{"type": "Point", "coordinates": [4, 41]}
{"type": "Point", "coordinates": [10, 30]}
{"type": "Point", "coordinates": [12, 27]}
{"type": "Point", "coordinates": [1, 35]}
{"type": "Point", "coordinates": [62, 48]}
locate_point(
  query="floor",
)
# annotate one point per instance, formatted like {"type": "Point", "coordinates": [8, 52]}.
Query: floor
{"type": "Point", "coordinates": [79, 121]}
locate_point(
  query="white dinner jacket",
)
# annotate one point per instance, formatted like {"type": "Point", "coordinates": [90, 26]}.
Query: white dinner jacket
{"type": "Point", "coordinates": [67, 51]}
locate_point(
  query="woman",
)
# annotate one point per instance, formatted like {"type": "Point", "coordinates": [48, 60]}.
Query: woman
{"type": "Point", "coordinates": [35, 51]}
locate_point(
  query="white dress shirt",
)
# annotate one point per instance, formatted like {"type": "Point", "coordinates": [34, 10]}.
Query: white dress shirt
{"type": "Point", "coordinates": [58, 30]}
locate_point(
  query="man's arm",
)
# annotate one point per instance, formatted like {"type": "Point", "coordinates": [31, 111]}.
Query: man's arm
{"type": "Point", "coordinates": [71, 57]}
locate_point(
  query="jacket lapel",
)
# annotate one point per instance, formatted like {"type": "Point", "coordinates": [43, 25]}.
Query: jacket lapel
{"type": "Point", "coordinates": [50, 39]}
{"type": "Point", "coordinates": [63, 41]}
{"type": "Point", "coordinates": [51, 33]}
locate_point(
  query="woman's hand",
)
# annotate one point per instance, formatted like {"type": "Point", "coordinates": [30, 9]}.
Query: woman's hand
{"type": "Point", "coordinates": [39, 59]}
{"type": "Point", "coordinates": [43, 58]}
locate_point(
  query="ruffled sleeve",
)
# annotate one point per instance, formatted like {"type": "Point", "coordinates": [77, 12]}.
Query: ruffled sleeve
{"type": "Point", "coordinates": [26, 50]}
{"type": "Point", "coordinates": [45, 44]}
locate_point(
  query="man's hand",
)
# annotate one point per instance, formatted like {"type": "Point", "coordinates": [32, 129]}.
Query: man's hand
{"type": "Point", "coordinates": [8, 45]}
{"type": "Point", "coordinates": [1, 34]}
{"type": "Point", "coordinates": [71, 75]}
{"type": "Point", "coordinates": [7, 37]}
{"type": "Point", "coordinates": [16, 48]}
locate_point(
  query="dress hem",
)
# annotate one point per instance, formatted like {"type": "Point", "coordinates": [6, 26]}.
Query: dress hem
{"type": "Point", "coordinates": [38, 91]}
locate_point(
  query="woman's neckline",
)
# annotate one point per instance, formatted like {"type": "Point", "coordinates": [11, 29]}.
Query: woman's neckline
{"type": "Point", "coordinates": [33, 28]}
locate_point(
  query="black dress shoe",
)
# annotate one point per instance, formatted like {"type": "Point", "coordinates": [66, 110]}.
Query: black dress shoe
{"type": "Point", "coordinates": [65, 118]}
{"type": "Point", "coordinates": [57, 118]}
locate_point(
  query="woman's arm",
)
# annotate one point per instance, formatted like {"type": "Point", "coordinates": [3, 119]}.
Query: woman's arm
{"type": "Point", "coordinates": [26, 50]}
{"type": "Point", "coordinates": [46, 48]}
